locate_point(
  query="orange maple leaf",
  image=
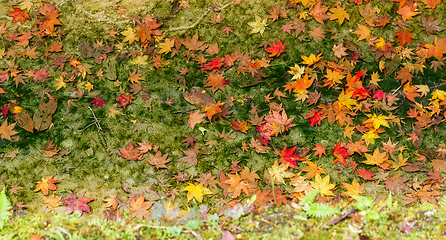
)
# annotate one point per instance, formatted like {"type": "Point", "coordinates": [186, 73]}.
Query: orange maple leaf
{"type": "Point", "coordinates": [404, 37]}
{"type": "Point", "coordinates": [46, 184]}
{"type": "Point", "coordinates": [407, 12]}
{"type": "Point", "coordinates": [216, 82]}
{"type": "Point", "coordinates": [319, 13]}
{"type": "Point", "coordinates": [211, 110]}
{"type": "Point", "coordinates": [49, 19]}
{"type": "Point", "coordinates": [6, 130]}
{"type": "Point", "coordinates": [240, 126]}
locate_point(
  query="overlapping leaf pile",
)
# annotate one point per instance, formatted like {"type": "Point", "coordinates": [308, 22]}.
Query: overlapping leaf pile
{"type": "Point", "coordinates": [371, 86]}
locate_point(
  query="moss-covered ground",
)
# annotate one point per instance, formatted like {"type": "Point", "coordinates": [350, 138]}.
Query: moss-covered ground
{"type": "Point", "coordinates": [82, 147]}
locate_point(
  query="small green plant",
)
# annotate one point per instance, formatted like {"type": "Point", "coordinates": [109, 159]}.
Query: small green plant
{"type": "Point", "coordinates": [5, 205]}
{"type": "Point", "coordinates": [317, 210]}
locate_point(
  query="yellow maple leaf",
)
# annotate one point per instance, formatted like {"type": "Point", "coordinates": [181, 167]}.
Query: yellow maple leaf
{"type": "Point", "coordinates": [323, 185]}
{"type": "Point", "coordinates": [345, 99]}
{"type": "Point", "coordinates": [258, 26]}
{"type": "Point", "coordinates": [279, 172]}
{"type": "Point", "coordinates": [333, 77]}
{"type": "Point", "coordinates": [438, 94]}
{"type": "Point", "coordinates": [88, 86]}
{"type": "Point", "coordinates": [130, 35]}
{"type": "Point", "coordinates": [353, 189]}
{"type": "Point", "coordinates": [166, 46]}
{"type": "Point", "coordinates": [399, 162]}
{"type": "Point", "coordinates": [60, 83]}
{"type": "Point", "coordinates": [340, 14]}
{"type": "Point", "coordinates": [423, 89]}
{"type": "Point", "coordinates": [313, 169]}
{"type": "Point", "coordinates": [377, 121]}
{"type": "Point", "coordinates": [377, 158]}
{"type": "Point", "coordinates": [140, 60]}
{"type": "Point", "coordinates": [196, 191]}
{"type": "Point", "coordinates": [312, 59]}
{"type": "Point", "coordinates": [369, 137]}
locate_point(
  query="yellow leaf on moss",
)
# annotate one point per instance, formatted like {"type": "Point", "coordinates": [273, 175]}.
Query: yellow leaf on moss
{"type": "Point", "coordinates": [323, 185]}
{"type": "Point", "coordinates": [196, 191]}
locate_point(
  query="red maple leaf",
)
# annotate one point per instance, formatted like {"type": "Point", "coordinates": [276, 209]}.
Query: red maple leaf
{"type": "Point", "coordinates": [289, 156]}
{"type": "Point", "coordinates": [77, 205]}
{"type": "Point", "coordinates": [214, 65]}
{"type": "Point", "coordinates": [40, 74]}
{"type": "Point", "coordinates": [124, 100]}
{"type": "Point", "coordinates": [19, 16]}
{"type": "Point", "coordinates": [315, 117]}
{"type": "Point", "coordinates": [98, 102]}
{"type": "Point", "coordinates": [275, 49]}
{"type": "Point", "coordinates": [340, 154]}
{"type": "Point", "coordinates": [366, 175]}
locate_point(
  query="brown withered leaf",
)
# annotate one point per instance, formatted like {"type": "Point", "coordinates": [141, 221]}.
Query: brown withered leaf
{"type": "Point", "coordinates": [43, 115]}
{"type": "Point", "coordinates": [198, 96]}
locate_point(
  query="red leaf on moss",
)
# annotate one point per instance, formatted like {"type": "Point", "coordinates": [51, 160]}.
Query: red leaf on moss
{"type": "Point", "coordinates": [77, 205]}
{"type": "Point", "coordinates": [275, 49]}
{"type": "Point", "coordinates": [130, 153]}
{"type": "Point", "coordinates": [124, 100]}
{"type": "Point", "coordinates": [19, 16]}
{"type": "Point", "coordinates": [366, 175]}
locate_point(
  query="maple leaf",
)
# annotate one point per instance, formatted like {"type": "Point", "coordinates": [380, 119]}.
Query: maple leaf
{"type": "Point", "coordinates": [135, 77]}
{"type": "Point", "coordinates": [139, 207]}
{"type": "Point", "coordinates": [395, 184]}
{"type": "Point", "coordinates": [323, 185]}
{"type": "Point", "coordinates": [363, 32]}
{"type": "Point", "coordinates": [49, 19]}
{"type": "Point", "coordinates": [339, 50]}
{"type": "Point", "coordinates": [112, 202]}
{"type": "Point", "coordinates": [130, 35]}
{"type": "Point", "coordinates": [353, 189]}
{"type": "Point", "coordinates": [311, 59]}
{"type": "Point", "coordinates": [213, 109]}
{"type": "Point", "coordinates": [340, 154]}
{"type": "Point", "coordinates": [377, 158]}
{"type": "Point", "coordinates": [262, 198]}
{"type": "Point", "coordinates": [398, 162]}
{"type": "Point", "coordinates": [46, 184]}
{"type": "Point", "coordinates": [130, 153]}
{"type": "Point", "coordinates": [277, 123]}
{"type": "Point", "coordinates": [195, 118]}
{"type": "Point", "coordinates": [431, 24]}
{"type": "Point", "coordinates": [315, 117]}
{"type": "Point", "coordinates": [190, 158]}
{"type": "Point", "coordinates": [196, 191]}
{"type": "Point", "coordinates": [279, 172]}
{"type": "Point", "coordinates": [6, 131]}
{"type": "Point", "coordinates": [340, 14]}
{"type": "Point", "coordinates": [51, 202]}
{"type": "Point", "coordinates": [19, 16]}
{"type": "Point", "coordinates": [166, 46]}
{"type": "Point", "coordinates": [276, 49]}
{"type": "Point", "coordinates": [158, 161]}
{"type": "Point", "coordinates": [258, 26]}
{"type": "Point", "coordinates": [313, 169]}
{"type": "Point", "coordinates": [407, 12]}
{"type": "Point", "coordinates": [77, 205]}
{"type": "Point", "coordinates": [98, 102]}
{"type": "Point", "coordinates": [319, 13]}
{"type": "Point", "coordinates": [297, 72]}
{"type": "Point", "coordinates": [319, 150]}
{"type": "Point", "coordinates": [366, 175]}
{"type": "Point", "coordinates": [193, 43]}
{"type": "Point", "coordinates": [124, 100]}
{"type": "Point", "coordinates": [216, 82]}
{"type": "Point", "coordinates": [404, 37]}
{"type": "Point", "coordinates": [240, 126]}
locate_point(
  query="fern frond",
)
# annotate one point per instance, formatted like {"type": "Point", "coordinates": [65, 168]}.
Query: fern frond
{"type": "Point", "coordinates": [319, 210]}
{"type": "Point", "coordinates": [309, 198]}
{"type": "Point", "coordinates": [5, 205]}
